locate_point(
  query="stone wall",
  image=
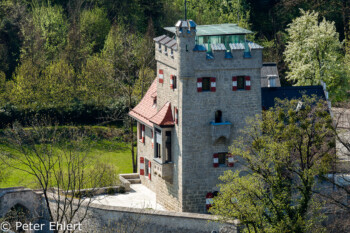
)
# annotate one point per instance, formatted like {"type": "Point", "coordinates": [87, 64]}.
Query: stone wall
{"type": "Point", "coordinates": [33, 202]}
{"type": "Point", "coordinates": [110, 219]}
{"type": "Point", "coordinates": [197, 110]}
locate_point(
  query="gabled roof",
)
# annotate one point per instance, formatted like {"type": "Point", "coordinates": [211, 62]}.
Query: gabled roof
{"type": "Point", "coordinates": [269, 94]}
{"type": "Point", "coordinates": [164, 117]}
{"type": "Point", "coordinates": [269, 69]}
{"type": "Point", "coordinates": [145, 110]}
{"type": "Point", "coordinates": [146, 113]}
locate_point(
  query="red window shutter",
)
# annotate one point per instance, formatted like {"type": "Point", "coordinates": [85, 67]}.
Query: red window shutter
{"type": "Point", "coordinates": [247, 82]}
{"type": "Point", "coordinates": [209, 200]}
{"type": "Point", "coordinates": [199, 84]}
{"type": "Point", "coordinates": [176, 115]}
{"type": "Point", "coordinates": [143, 133]}
{"type": "Point", "coordinates": [212, 84]}
{"type": "Point", "coordinates": [142, 166]}
{"type": "Point", "coordinates": [234, 83]}
{"type": "Point", "coordinates": [216, 160]}
{"type": "Point", "coordinates": [230, 161]}
{"type": "Point", "coordinates": [161, 76]}
{"type": "Point", "coordinates": [171, 81]}
{"type": "Point", "coordinates": [149, 169]}
{"type": "Point", "coordinates": [152, 139]}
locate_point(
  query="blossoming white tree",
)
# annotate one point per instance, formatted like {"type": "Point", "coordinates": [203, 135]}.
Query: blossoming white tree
{"type": "Point", "coordinates": [313, 53]}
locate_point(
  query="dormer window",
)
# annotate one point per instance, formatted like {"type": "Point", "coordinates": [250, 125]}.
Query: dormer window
{"type": "Point", "coordinates": [154, 102]}
{"type": "Point", "coordinates": [218, 116]}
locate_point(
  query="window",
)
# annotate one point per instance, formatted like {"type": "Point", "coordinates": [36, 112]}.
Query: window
{"type": "Point", "coordinates": [218, 116]}
{"type": "Point", "coordinates": [172, 53]}
{"type": "Point", "coordinates": [142, 133]}
{"type": "Point", "coordinates": [240, 82]}
{"type": "Point", "coordinates": [173, 82]}
{"type": "Point", "coordinates": [160, 47]}
{"type": "Point", "coordinates": [158, 152]}
{"type": "Point", "coordinates": [146, 167]}
{"type": "Point", "coordinates": [205, 84]}
{"type": "Point", "coordinates": [165, 50]}
{"type": "Point", "coordinates": [222, 159]}
{"type": "Point", "coordinates": [168, 146]}
{"type": "Point", "coordinates": [154, 102]}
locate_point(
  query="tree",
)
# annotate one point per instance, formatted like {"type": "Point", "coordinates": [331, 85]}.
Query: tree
{"type": "Point", "coordinates": [94, 26]}
{"type": "Point", "coordinates": [12, 18]}
{"type": "Point", "coordinates": [214, 12]}
{"type": "Point", "coordinates": [337, 183]}
{"type": "Point", "coordinates": [120, 50]}
{"type": "Point", "coordinates": [59, 162]}
{"type": "Point", "coordinates": [279, 159]}
{"type": "Point", "coordinates": [53, 27]}
{"type": "Point", "coordinates": [313, 53]}
{"type": "Point", "coordinates": [97, 84]}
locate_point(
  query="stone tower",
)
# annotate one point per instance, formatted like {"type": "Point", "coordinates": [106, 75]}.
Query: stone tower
{"type": "Point", "coordinates": [208, 82]}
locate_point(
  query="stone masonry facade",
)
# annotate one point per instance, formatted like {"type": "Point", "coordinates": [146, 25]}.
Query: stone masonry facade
{"type": "Point", "coordinates": [195, 139]}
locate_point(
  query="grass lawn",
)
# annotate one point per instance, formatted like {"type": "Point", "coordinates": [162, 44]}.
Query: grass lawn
{"type": "Point", "coordinates": [104, 151]}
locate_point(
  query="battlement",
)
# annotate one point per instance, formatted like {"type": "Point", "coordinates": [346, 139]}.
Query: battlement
{"type": "Point", "coordinates": [236, 55]}
{"type": "Point", "coordinates": [218, 45]}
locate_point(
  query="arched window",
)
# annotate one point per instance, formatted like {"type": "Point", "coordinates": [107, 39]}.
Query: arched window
{"type": "Point", "coordinates": [218, 116]}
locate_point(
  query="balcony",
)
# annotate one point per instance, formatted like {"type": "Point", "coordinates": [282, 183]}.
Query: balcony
{"type": "Point", "coordinates": [219, 130]}
{"type": "Point", "coordinates": [163, 170]}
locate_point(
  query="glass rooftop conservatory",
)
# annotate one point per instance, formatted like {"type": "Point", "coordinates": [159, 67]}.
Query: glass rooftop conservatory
{"type": "Point", "coordinates": [218, 34]}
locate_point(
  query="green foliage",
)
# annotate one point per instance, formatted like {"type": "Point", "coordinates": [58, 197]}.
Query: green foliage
{"type": "Point", "coordinates": [96, 82]}
{"type": "Point", "coordinates": [12, 15]}
{"type": "Point", "coordinates": [313, 54]}
{"type": "Point", "coordinates": [214, 12]}
{"type": "Point", "coordinates": [2, 85]}
{"type": "Point", "coordinates": [94, 26]}
{"type": "Point", "coordinates": [279, 158]}
{"type": "Point", "coordinates": [53, 27]}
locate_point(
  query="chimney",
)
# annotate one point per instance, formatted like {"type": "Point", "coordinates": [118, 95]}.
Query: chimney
{"type": "Point", "coordinates": [271, 81]}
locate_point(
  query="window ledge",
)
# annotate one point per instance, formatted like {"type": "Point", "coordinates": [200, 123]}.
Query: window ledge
{"type": "Point", "coordinates": [158, 160]}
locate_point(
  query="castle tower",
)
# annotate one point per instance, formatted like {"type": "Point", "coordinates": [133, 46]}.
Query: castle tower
{"type": "Point", "coordinates": [208, 82]}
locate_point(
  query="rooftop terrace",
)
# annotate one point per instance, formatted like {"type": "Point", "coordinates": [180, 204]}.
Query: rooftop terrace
{"type": "Point", "coordinates": [216, 30]}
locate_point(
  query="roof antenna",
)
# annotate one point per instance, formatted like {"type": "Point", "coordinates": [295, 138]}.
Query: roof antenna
{"type": "Point", "coordinates": [185, 10]}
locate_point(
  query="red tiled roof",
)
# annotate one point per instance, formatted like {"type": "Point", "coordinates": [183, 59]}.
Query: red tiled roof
{"type": "Point", "coordinates": [146, 113]}
{"type": "Point", "coordinates": [164, 116]}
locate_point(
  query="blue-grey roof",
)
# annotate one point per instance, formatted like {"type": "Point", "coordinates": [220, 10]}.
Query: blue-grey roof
{"type": "Point", "coordinates": [167, 41]}
{"type": "Point", "coordinates": [199, 48]}
{"type": "Point", "coordinates": [216, 29]}
{"type": "Point", "coordinates": [269, 94]}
